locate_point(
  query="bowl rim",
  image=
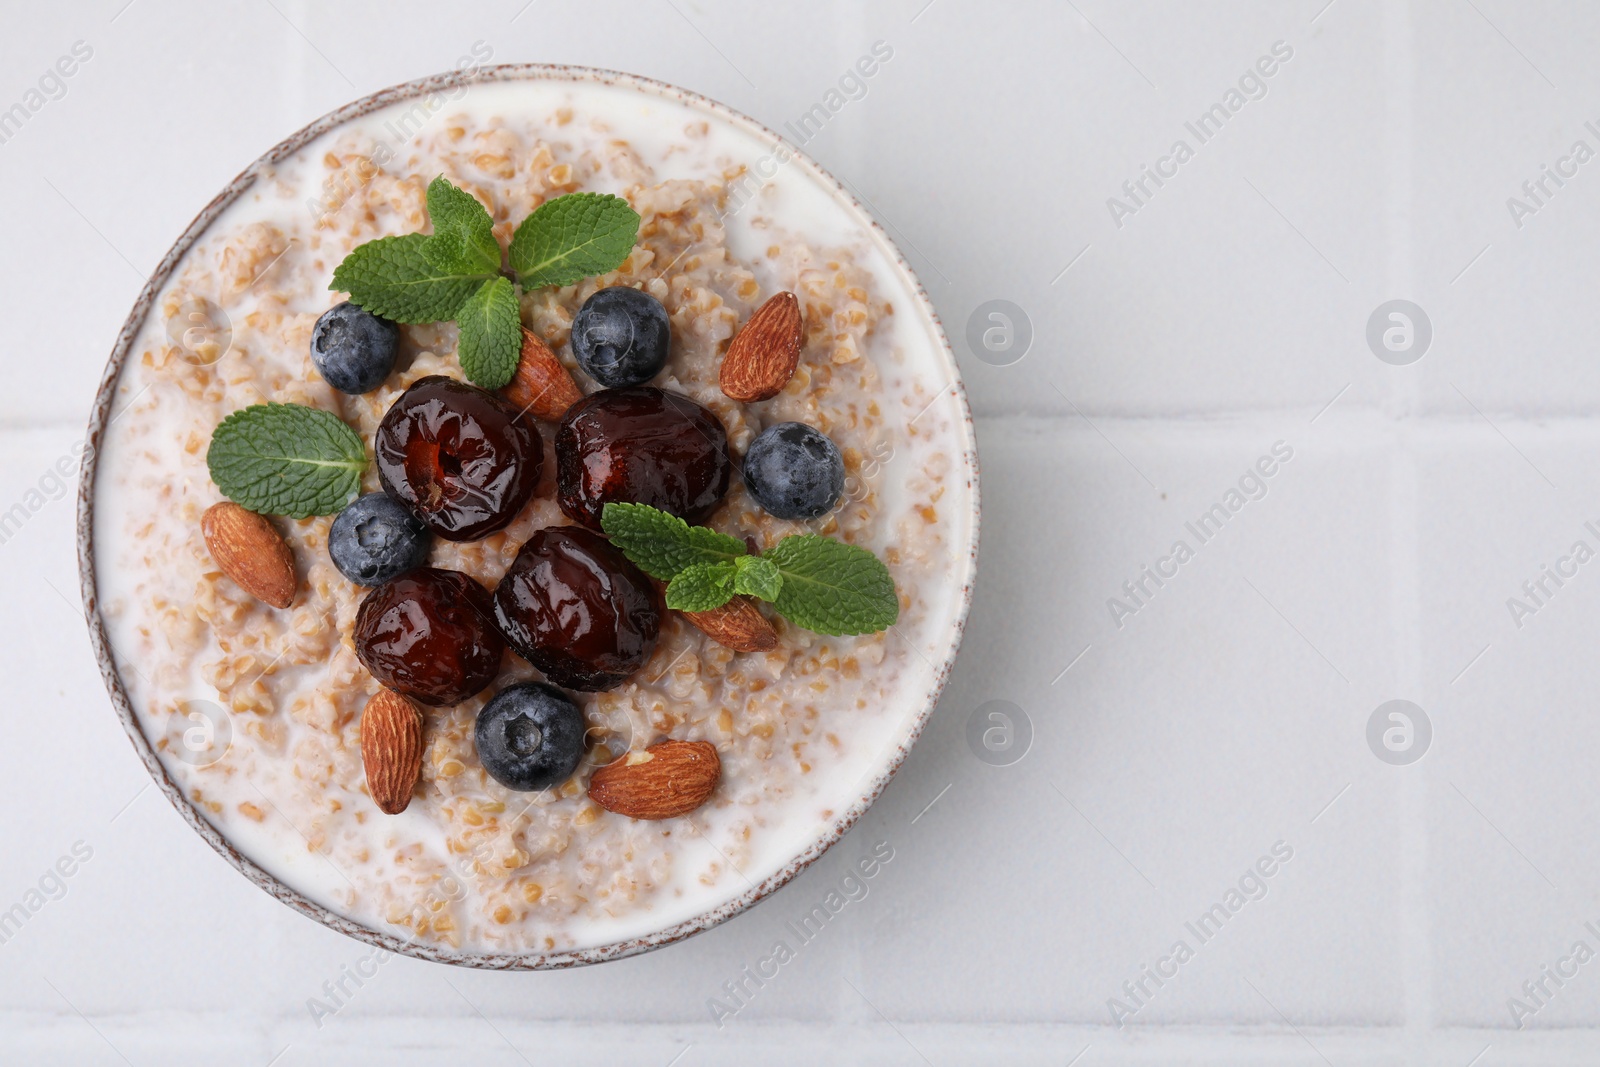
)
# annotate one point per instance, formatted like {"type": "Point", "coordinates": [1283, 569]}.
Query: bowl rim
{"type": "Point", "coordinates": [100, 418]}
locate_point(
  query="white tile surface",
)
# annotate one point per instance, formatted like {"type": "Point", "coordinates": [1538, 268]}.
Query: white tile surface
{"type": "Point", "coordinates": [1228, 713]}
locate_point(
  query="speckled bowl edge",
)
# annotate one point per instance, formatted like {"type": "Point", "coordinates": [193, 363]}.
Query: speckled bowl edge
{"type": "Point", "coordinates": [101, 415]}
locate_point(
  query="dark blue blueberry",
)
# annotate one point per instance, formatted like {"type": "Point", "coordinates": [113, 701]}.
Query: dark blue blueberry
{"type": "Point", "coordinates": [376, 538]}
{"type": "Point", "coordinates": [530, 736]}
{"type": "Point", "coordinates": [620, 337]}
{"type": "Point", "coordinates": [353, 349]}
{"type": "Point", "coordinates": [793, 471]}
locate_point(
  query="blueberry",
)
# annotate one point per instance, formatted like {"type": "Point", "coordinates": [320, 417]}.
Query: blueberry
{"type": "Point", "coordinates": [376, 538]}
{"type": "Point", "coordinates": [620, 337]}
{"type": "Point", "coordinates": [353, 349]}
{"type": "Point", "coordinates": [530, 736]}
{"type": "Point", "coordinates": [793, 471]}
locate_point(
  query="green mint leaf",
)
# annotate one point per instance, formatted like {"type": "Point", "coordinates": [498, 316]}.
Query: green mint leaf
{"type": "Point", "coordinates": [701, 587]}
{"type": "Point", "coordinates": [463, 233]}
{"type": "Point", "coordinates": [286, 459]}
{"type": "Point", "coordinates": [571, 238]}
{"type": "Point", "coordinates": [491, 334]}
{"type": "Point", "coordinates": [833, 588]}
{"type": "Point", "coordinates": [757, 576]}
{"type": "Point", "coordinates": [663, 545]}
{"type": "Point", "coordinates": [394, 278]}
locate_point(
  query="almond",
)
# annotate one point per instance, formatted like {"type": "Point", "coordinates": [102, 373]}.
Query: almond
{"type": "Point", "coordinates": [391, 750]}
{"type": "Point", "coordinates": [250, 551]}
{"type": "Point", "coordinates": [541, 386]}
{"type": "Point", "coordinates": [762, 357]}
{"type": "Point", "coordinates": [738, 625]}
{"type": "Point", "coordinates": [661, 782]}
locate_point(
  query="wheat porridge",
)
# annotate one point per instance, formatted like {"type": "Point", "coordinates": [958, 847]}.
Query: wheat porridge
{"type": "Point", "coordinates": [256, 711]}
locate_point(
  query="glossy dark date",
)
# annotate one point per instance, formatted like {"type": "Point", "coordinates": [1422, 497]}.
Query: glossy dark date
{"type": "Point", "coordinates": [644, 446]}
{"type": "Point", "coordinates": [574, 607]}
{"type": "Point", "coordinates": [458, 457]}
{"type": "Point", "coordinates": [430, 634]}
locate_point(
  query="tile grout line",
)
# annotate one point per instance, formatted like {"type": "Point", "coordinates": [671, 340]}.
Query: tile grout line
{"type": "Point", "coordinates": [1406, 605]}
{"type": "Point", "coordinates": [1533, 421]}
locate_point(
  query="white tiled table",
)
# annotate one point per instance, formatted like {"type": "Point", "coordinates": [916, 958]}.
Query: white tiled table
{"type": "Point", "coordinates": [1228, 714]}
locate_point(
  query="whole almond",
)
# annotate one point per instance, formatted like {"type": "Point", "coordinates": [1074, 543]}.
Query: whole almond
{"type": "Point", "coordinates": [541, 386]}
{"type": "Point", "coordinates": [738, 625]}
{"type": "Point", "coordinates": [391, 750]}
{"type": "Point", "coordinates": [764, 353]}
{"type": "Point", "coordinates": [250, 551]}
{"type": "Point", "coordinates": [661, 782]}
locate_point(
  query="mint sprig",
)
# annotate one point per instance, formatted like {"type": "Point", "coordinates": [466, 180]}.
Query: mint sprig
{"type": "Point", "coordinates": [757, 576]}
{"type": "Point", "coordinates": [833, 588]}
{"type": "Point", "coordinates": [286, 459]}
{"type": "Point", "coordinates": [701, 587]}
{"type": "Point", "coordinates": [663, 545]}
{"type": "Point", "coordinates": [455, 274]}
{"type": "Point", "coordinates": [491, 334]}
{"type": "Point", "coordinates": [463, 233]}
{"type": "Point", "coordinates": [815, 582]}
{"type": "Point", "coordinates": [573, 237]}
{"type": "Point", "coordinates": [396, 278]}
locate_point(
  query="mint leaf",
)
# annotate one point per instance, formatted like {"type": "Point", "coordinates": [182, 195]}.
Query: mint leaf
{"type": "Point", "coordinates": [286, 459]}
{"type": "Point", "coordinates": [815, 582]}
{"type": "Point", "coordinates": [491, 334]}
{"type": "Point", "coordinates": [663, 545]}
{"type": "Point", "coordinates": [833, 588]}
{"type": "Point", "coordinates": [757, 576]}
{"type": "Point", "coordinates": [571, 238]}
{"type": "Point", "coordinates": [701, 587]}
{"type": "Point", "coordinates": [463, 232]}
{"type": "Point", "coordinates": [393, 277]}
